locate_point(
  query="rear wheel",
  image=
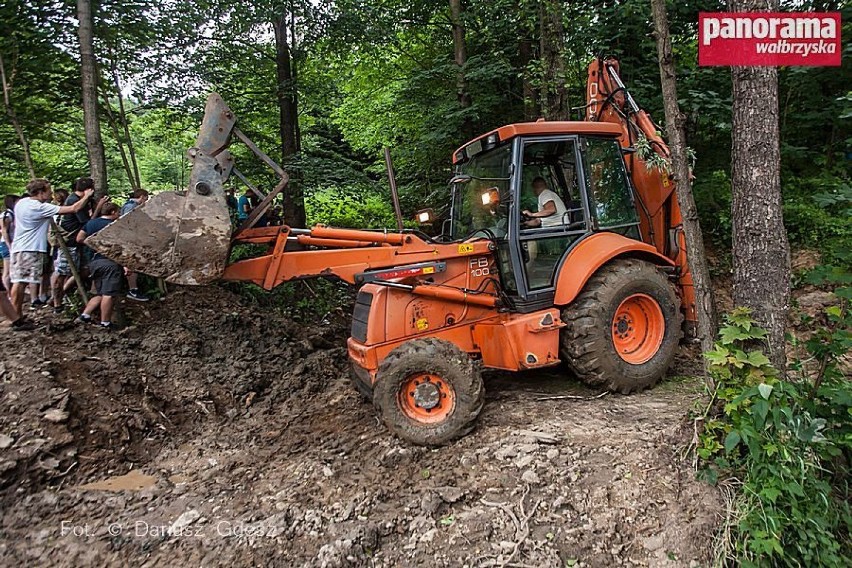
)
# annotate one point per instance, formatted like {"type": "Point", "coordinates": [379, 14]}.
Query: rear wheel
{"type": "Point", "coordinates": [623, 330]}
{"type": "Point", "coordinates": [428, 392]}
{"type": "Point", "coordinates": [361, 380]}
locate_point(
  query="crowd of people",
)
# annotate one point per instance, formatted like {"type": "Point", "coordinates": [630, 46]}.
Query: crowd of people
{"type": "Point", "coordinates": [43, 244]}
{"type": "Point", "coordinates": [241, 207]}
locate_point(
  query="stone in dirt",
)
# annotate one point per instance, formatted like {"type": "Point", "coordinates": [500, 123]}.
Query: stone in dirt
{"type": "Point", "coordinates": [56, 415]}
{"type": "Point", "coordinates": [186, 519]}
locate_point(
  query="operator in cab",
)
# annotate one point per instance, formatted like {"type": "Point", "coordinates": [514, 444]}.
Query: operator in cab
{"type": "Point", "coordinates": [551, 208]}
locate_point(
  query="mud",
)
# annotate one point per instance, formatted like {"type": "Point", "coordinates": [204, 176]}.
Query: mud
{"type": "Point", "coordinates": [212, 433]}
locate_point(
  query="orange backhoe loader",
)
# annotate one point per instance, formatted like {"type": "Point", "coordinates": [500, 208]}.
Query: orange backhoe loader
{"type": "Point", "coordinates": [600, 283]}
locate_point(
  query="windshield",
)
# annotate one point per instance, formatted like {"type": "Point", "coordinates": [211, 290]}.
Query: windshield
{"type": "Point", "coordinates": [472, 212]}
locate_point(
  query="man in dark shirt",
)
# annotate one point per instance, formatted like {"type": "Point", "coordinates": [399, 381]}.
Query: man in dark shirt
{"type": "Point", "coordinates": [70, 224]}
{"type": "Point", "coordinates": [107, 274]}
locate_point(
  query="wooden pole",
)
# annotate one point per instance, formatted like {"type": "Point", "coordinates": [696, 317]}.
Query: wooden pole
{"type": "Point", "coordinates": [67, 253]}
{"type": "Point", "coordinates": [394, 191]}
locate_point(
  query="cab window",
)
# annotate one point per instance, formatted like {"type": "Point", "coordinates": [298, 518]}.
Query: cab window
{"type": "Point", "coordinates": [610, 197]}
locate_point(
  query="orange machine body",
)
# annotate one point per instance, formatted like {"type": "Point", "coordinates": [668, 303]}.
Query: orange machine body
{"type": "Point", "coordinates": [415, 288]}
{"type": "Point", "coordinates": [660, 218]}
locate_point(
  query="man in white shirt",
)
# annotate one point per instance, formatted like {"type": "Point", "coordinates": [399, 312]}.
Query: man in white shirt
{"type": "Point", "coordinates": [551, 208]}
{"type": "Point", "coordinates": [29, 249]}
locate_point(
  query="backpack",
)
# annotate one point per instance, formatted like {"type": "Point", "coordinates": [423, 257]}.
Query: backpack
{"type": "Point", "coordinates": [9, 214]}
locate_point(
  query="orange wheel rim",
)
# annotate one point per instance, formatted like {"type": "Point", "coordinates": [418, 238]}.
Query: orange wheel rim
{"type": "Point", "coordinates": [426, 398]}
{"type": "Point", "coordinates": [638, 328]}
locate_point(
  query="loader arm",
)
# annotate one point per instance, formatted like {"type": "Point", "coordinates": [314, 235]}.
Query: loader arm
{"type": "Point", "coordinates": [661, 224]}
{"type": "Point", "coordinates": [186, 237]}
{"type": "Point", "coordinates": [400, 260]}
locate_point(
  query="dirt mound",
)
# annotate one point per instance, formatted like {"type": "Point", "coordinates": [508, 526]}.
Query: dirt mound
{"type": "Point", "coordinates": [95, 401]}
{"type": "Point", "coordinates": [208, 432]}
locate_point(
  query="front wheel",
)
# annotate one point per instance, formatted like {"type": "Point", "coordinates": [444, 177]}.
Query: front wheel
{"type": "Point", "coordinates": [428, 392]}
{"type": "Point", "coordinates": [623, 329]}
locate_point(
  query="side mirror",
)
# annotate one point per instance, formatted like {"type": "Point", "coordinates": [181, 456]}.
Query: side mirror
{"type": "Point", "coordinates": [491, 197]}
{"type": "Point", "coordinates": [424, 217]}
{"type": "Point", "coordinates": [460, 178]}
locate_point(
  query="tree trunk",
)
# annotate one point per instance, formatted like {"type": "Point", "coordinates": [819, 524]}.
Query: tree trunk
{"type": "Point", "coordinates": [113, 124]}
{"type": "Point", "coordinates": [705, 304]}
{"type": "Point", "coordinates": [553, 103]}
{"type": "Point", "coordinates": [460, 56]}
{"type": "Point", "coordinates": [530, 93]}
{"type": "Point", "coordinates": [135, 179]}
{"type": "Point", "coordinates": [13, 118]}
{"type": "Point", "coordinates": [294, 201]}
{"type": "Point", "coordinates": [761, 252]}
{"type": "Point", "coordinates": [89, 74]}
{"type": "Point", "coordinates": [294, 68]}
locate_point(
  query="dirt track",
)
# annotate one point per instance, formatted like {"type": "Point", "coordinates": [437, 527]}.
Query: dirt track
{"type": "Point", "coordinates": [248, 446]}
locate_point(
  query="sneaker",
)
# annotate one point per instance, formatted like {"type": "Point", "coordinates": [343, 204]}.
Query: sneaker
{"type": "Point", "coordinates": [135, 294]}
{"type": "Point", "coordinates": [22, 324]}
{"type": "Point", "coordinates": [107, 325]}
{"type": "Point", "coordinates": [36, 304]}
{"type": "Point", "coordinates": [84, 318]}
{"type": "Point", "coordinates": [58, 309]}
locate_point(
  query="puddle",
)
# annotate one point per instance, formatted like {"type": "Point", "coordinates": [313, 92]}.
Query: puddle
{"type": "Point", "coordinates": [135, 480]}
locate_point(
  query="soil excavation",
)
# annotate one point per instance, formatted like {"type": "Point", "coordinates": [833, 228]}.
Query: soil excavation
{"type": "Point", "coordinates": [208, 431]}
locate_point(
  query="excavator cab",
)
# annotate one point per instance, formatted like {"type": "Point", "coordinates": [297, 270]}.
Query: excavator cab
{"type": "Point", "coordinates": [500, 176]}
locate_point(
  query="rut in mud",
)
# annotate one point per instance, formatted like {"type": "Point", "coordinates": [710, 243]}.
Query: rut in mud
{"type": "Point", "coordinates": [246, 444]}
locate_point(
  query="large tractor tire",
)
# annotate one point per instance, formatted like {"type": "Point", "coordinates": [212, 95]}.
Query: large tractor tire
{"type": "Point", "coordinates": [623, 330]}
{"type": "Point", "coordinates": [428, 392]}
{"type": "Point", "coordinates": [360, 380]}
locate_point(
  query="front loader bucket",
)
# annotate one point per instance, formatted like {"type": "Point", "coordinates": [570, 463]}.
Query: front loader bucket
{"type": "Point", "coordinates": [183, 237]}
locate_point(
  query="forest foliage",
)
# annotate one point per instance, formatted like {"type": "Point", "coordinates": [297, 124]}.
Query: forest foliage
{"type": "Point", "coordinates": [783, 444]}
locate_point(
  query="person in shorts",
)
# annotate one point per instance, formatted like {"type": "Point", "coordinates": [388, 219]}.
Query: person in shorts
{"type": "Point", "coordinates": [7, 235]}
{"type": "Point", "coordinates": [107, 274]}
{"type": "Point", "coordinates": [8, 310]}
{"type": "Point", "coordinates": [61, 264]}
{"type": "Point", "coordinates": [29, 249]}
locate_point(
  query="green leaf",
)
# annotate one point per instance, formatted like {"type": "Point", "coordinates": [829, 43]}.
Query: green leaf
{"type": "Point", "coordinates": [740, 316]}
{"type": "Point", "coordinates": [765, 390]}
{"type": "Point", "coordinates": [760, 410]}
{"type": "Point", "coordinates": [758, 359]}
{"type": "Point", "coordinates": [719, 356]}
{"type": "Point", "coordinates": [731, 440]}
{"type": "Point", "coordinates": [757, 333]}
{"type": "Point", "coordinates": [448, 520]}
{"type": "Point", "coordinates": [730, 334]}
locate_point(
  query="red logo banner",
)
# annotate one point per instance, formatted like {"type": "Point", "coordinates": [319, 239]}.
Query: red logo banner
{"type": "Point", "coordinates": [769, 38]}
